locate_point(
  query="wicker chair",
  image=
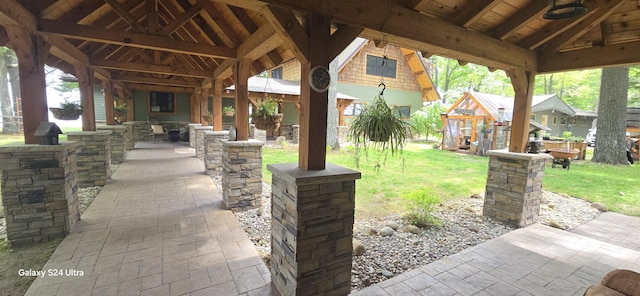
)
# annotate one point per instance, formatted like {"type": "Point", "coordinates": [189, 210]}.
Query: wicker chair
{"type": "Point", "coordinates": [619, 282]}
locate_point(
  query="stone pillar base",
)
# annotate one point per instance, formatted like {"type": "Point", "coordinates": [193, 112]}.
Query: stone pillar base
{"type": "Point", "coordinates": [39, 191]}
{"type": "Point", "coordinates": [199, 139]}
{"type": "Point", "coordinates": [128, 136]}
{"type": "Point", "coordinates": [514, 187]}
{"type": "Point", "coordinates": [260, 135]}
{"type": "Point", "coordinates": [192, 134]}
{"type": "Point", "coordinates": [94, 157]}
{"type": "Point", "coordinates": [311, 229]}
{"type": "Point", "coordinates": [213, 151]}
{"type": "Point", "coordinates": [118, 136]}
{"type": "Point", "coordinates": [241, 174]}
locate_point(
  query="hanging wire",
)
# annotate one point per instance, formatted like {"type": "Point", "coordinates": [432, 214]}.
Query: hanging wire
{"type": "Point", "coordinates": [384, 68]}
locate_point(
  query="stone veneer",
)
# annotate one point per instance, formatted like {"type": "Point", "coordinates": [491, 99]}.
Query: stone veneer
{"type": "Point", "coordinates": [94, 157]}
{"type": "Point", "coordinates": [39, 191]}
{"type": "Point", "coordinates": [140, 131]}
{"type": "Point", "coordinates": [192, 134]}
{"type": "Point", "coordinates": [241, 174]}
{"type": "Point", "coordinates": [260, 135]}
{"type": "Point", "coordinates": [199, 131]}
{"type": "Point", "coordinates": [129, 143]}
{"type": "Point", "coordinates": [213, 151]}
{"type": "Point", "coordinates": [514, 187]}
{"type": "Point", "coordinates": [311, 229]}
{"type": "Point", "coordinates": [118, 136]}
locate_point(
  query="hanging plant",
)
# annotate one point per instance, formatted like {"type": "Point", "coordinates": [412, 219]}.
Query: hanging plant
{"type": "Point", "coordinates": [228, 111]}
{"type": "Point", "coordinates": [67, 111]}
{"type": "Point", "coordinates": [379, 126]}
{"type": "Point", "coordinates": [266, 117]}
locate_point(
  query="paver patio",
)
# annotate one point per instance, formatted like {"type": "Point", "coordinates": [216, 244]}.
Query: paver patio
{"type": "Point", "coordinates": [159, 228]}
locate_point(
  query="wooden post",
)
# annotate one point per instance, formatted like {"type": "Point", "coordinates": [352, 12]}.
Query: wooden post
{"type": "Point", "coordinates": [31, 52]}
{"type": "Point", "coordinates": [204, 105]}
{"type": "Point", "coordinates": [197, 94]}
{"type": "Point", "coordinates": [85, 77]}
{"type": "Point", "coordinates": [194, 108]}
{"type": "Point", "coordinates": [314, 105]}
{"type": "Point", "coordinates": [241, 73]}
{"type": "Point", "coordinates": [523, 82]}
{"type": "Point", "coordinates": [130, 109]}
{"type": "Point", "coordinates": [217, 105]}
{"type": "Point", "coordinates": [107, 85]}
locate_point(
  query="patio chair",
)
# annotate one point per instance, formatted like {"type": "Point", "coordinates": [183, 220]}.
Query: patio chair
{"type": "Point", "coordinates": [158, 130]}
{"type": "Point", "coordinates": [620, 282]}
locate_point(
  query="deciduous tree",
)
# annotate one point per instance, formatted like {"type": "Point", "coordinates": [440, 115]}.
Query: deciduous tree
{"type": "Point", "coordinates": [612, 109]}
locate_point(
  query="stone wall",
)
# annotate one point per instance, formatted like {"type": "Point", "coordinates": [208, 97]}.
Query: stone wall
{"type": "Point", "coordinates": [342, 134]}
{"type": "Point", "coordinates": [241, 174]}
{"type": "Point", "coordinates": [514, 187]}
{"type": "Point", "coordinates": [94, 157]}
{"type": "Point", "coordinates": [213, 151]}
{"type": "Point", "coordinates": [140, 130]}
{"type": "Point", "coordinates": [129, 143]}
{"type": "Point", "coordinates": [199, 142]}
{"type": "Point", "coordinates": [118, 136]}
{"type": "Point", "coordinates": [192, 134]}
{"type": "Point", "coordinates": [39, 191]}
{"type": "Point", "coordinates": [311, 229]}
{"type": "Point", "coordinates": [260, 135]}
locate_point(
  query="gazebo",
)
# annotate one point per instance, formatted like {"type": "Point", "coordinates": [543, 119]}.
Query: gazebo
{"type": "Point", "coordinates": [200, 47]}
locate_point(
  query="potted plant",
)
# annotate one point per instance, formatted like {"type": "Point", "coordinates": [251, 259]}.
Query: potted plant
{"type": "Point", "coordinates": [67, 110]}
{"type": "Point", "coordinates": [208, 117]}
{"type": "Point", "coordinates": [378, 125]}
{"type": "Point", "coordinates": [228, 111]}
{"type": "Point", "coordinates": [173, 130]}
{"type": "Point", "coordinates": [120, 112]}
{"type": "Point", "coordinates": [266, 116]}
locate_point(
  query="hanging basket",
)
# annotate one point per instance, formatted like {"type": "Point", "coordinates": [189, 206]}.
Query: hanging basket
{"type": "Point", "coordinates": [65, 114]}
{"type": "Point", "coordinates": [268, 122]}
{"type": "Point", "coordinates": [229, 113]}
{"type": "Point", "coordinates": [207, 118]}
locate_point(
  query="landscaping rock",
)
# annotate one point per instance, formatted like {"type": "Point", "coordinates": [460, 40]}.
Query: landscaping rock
{"type": "Point", "coordinates": [387, 231]}
{"type": "Point", "coordinates": [476, 196]}
{"type": "Point", "coordinates": [371, 231]}
{"type": "Point", "coordinates": [279, 140]}
{"type": "Point", "coordinates": [555, 224]}
{"type": "Point", "coordinates": [551, 206]}
{"type": "Point", "coordinates": [387, 273]}
{"type": "Point", "coordinates": [358, 248]}
{"type": "Point", "coordinates": [411, 229]}
{"type": "Point", "coordinates": [366, 282]}
{"type": "Point", "coordinates": [392, 224]}
{"type": "Point", "coordinates": [474, 228]}
{"type": "Point", "coordinates": [599, 206]}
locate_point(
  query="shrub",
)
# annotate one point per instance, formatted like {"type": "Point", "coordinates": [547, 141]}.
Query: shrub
{"type": "Point", "coordinates": [421, 206]}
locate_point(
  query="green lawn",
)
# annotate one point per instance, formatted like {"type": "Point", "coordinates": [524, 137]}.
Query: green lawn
{"type": "Point", "coordinates": [19, 138]}
{"type": "Point", "coordinates": [454, 175]}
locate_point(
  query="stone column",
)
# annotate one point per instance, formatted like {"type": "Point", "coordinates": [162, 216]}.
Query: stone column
{"type": "Point", "coordinates": [311, 229]}
{"type": "Point", "coordinates": [295, 138]}
{"type": "Point", "coordinates": [39, 191]}
{"type": "Point", "coordinates": [129, 143]}
{"type": "Point", "coordinates": [94, 157]}
{"type": "Point", "coordinates": [213, 151]}
{"type": "Point", "coordinates": [241, 174]}
{"type": "Point", "coordinates": [260, 135]}
{"type": "Point", "coordinates": [199, 134]}
{"type": "Point", "coordinates": [118, 135]}
{"type": "Point", "coordinates": [514, 187]}
{"type": "Point", "coordinates": [192, 134]}
{"type": "Point", "coordinates": [140, 131]}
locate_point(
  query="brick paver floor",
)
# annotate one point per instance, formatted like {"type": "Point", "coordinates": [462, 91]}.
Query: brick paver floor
{"type": "Point", "coordinates": [157, 228]}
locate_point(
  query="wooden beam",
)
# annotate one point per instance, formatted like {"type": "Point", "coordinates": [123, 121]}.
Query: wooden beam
{"type": "Point", "coordinates": [180, 21]}
{"type": "Point", "coordinates": [411, 29]}
{"type": "Point", "coordinates": [31, 52]}
{"type": "Point", "coordinates": [596, 17]}
{"type": "Point", "coordinates": [153, 19]}
{"type": "Point", "coordinates": [287, 26]}
{"type": "Point", "coordinates": [550, 31]}
{"type": "Point", "coordinates": [523, 83]}
{"type": "Point", "coordinates": [85, 78]}
{"type": "Point", "coordinates": [151, 80]}
{"type": "Point", "coordinates": [107, 86]}
{"type": "Point", "coordinates": [150, 68]}
{"type": "Point", "coordinates": [126, 16]}
{"type": "Point", "coordinates": [507, 28]}
{"type": "Point", "coordinates": [259, 43]}
{"type": "Point", "coordinates": [613, 55]}
{"type": "Point", "coordinates": [194, 108]}
{"type": "Point", "coordinates": [162, 88]}
{"type": "Point", "coordinates": [312, 149]}
{"type": "Point", "coordinates": [217, 104]}
{"type": "Point", "coordinates": [242, 73]}
{"type": "Point", "coordinates": [341, 38]}
{"type": "Point", "coordinates": [132, 39]}
{"type": "Point", "coordinates": [474, 11]}
{"type": "Point", "coordinates": [14, 14]}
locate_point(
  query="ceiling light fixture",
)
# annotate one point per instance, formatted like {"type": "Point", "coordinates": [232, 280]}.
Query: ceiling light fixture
{"type": "Point", "coordinates": [566, 9]}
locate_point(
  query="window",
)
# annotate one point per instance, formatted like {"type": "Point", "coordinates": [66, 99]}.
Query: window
{"type": "Point", "coordinates": [554, 120]}
{"type": "Point", "coordinates": [276, 73]}
{"type": "Point", "coordinates": [563, 121]}
{"type": "Point", "coordinates": [161, 102]}
{"type": "Point", "coordinates": [353, 109]}
{"type": "Point", "coordinates": [374, 66]}
{"type": "Point", "coordinates": [533, 117]}
{"type": "Point", "coordinates": [402, 111]}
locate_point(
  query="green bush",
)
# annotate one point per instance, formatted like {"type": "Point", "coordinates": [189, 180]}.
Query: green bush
{"type": "Point", "coordinates": [421, 205]}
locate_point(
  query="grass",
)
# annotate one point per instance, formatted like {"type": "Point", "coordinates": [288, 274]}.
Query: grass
{"type": "Point", "coordinates": [452, 175]}
{"type": "Point", "coordinates": [19, 138]}
{"type": "Point", "coordinates": [448, 174]}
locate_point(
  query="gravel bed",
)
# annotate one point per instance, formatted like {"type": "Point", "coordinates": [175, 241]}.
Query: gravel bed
{"type": "Point", "coordinates": [463, 226]}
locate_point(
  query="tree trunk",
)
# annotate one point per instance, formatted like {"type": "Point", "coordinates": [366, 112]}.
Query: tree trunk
{"type": "Point", "coordinates": [14, 81]}
{"type": "Point", "coordinates": [332, 109]}
{"type": "Point", "coordinates": [612, 109]}
{"type": "Point", "coordinates": [6, 109]}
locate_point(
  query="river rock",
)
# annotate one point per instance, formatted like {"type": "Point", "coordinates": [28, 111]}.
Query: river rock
{"type": "Point", "coordinates": [411, 229]}
{"type": "Point", "coordinates": [392, 224]}
{"type": "Point", "coordinates": [387, 273]}
{"type": "Point", "coordinates": [555, 224]}
{"type": "Point", "coordinates": [358, 248]}
{"type": "Point", "coordinates": [599, 206]}
{"type": "Point", "coordinates": [371, 231]}
{"type": "Point", "coordinates": [386, 231]}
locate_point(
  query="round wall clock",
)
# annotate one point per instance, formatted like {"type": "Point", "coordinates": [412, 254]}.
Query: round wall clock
{"type": "Point", "coordinates": [319, 78]}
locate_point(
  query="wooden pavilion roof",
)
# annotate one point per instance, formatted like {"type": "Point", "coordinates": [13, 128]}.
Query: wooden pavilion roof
{"type": "Point", "coordinates": [185, 44]}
